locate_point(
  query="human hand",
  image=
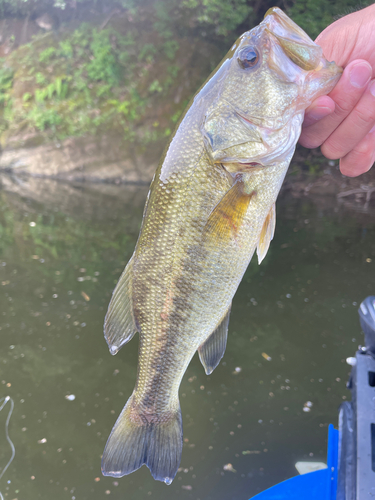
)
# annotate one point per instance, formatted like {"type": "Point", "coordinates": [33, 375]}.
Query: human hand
{"type": "Point", "coordinates": [343, 123]}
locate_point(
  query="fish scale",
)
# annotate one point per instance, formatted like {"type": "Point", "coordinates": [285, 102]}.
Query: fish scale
{"type": "Point", "coordinates": [211, 205]}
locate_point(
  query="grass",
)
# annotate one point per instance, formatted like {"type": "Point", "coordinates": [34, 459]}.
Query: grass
{"type": "Point", "coordinates": [91, 80]}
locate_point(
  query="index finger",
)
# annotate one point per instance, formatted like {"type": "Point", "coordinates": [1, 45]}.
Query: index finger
{"type": "Point", "coordinates": [345, 95]}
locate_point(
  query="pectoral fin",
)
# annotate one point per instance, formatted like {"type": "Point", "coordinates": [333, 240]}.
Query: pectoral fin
{"type": "Point", "coordinates": [119, 324]}
{"type": "Point", "coordinates": [212, 350]}
{"type": "Point", "coordinates": [226, 219]}
{"type": "Point", "coordinates": [266, 234]}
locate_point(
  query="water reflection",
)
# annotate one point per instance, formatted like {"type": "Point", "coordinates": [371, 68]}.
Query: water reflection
{"type": "Point", "coordinates": [294, 321]}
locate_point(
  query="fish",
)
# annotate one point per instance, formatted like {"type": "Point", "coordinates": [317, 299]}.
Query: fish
{"type": "Point", "coordinates": [210, 207]}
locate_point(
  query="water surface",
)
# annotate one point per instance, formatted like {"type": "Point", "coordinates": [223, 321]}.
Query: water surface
{"type": "Point", "coordinates": [293, 323]}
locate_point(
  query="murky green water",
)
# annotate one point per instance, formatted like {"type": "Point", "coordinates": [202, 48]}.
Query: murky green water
{"type": "Point", "coordinates": [62, 249]}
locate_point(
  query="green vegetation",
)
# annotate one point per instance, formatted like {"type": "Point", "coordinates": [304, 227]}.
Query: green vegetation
{"type": "Point", "coordinates": [315, 15]}
{"type": "Point", "coordinates": [26, 7]}
{"type": "Point", "coordinates": [88, 81]}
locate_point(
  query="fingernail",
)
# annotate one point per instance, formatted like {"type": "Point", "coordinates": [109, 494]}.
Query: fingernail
{"type": "Point", "coordinates": [372, 88]}
{"type": "Point", "coordinates": [360, 75]}
{"type": "Point", "coordinates": [372, 131]}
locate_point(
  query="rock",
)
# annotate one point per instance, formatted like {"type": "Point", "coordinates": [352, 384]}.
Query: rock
{"type": "Point", "coordinates": [87, 201]}
{"type": "Point", "coordinates": [96, 159]}
{"type": "Point", "coordinates": [45, 22]}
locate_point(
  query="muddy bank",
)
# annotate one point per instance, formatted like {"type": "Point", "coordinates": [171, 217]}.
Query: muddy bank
{"type": "Point", "coordinates": [87, 201]}
{"type": "Point", "coordinates": [95, 159]}
{"type": "Point", "coordinates": [312, 175]}
{"type": "Point", "coordinates": [111, 160]}
{"type": "Point", "coordinates": [76, 103]}
{"type": "Point", "coordinates": [328, 191]}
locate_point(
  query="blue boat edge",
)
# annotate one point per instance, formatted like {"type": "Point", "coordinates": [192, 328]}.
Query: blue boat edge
{"type": "Point", "coordinates": [320, 484]}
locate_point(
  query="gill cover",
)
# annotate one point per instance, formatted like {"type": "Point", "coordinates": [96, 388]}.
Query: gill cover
{"type": "Point", "coordinates": [224, 127]}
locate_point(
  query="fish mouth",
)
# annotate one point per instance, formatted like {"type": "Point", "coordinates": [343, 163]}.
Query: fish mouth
{"type": "Point", "coordinates": [300, 50]}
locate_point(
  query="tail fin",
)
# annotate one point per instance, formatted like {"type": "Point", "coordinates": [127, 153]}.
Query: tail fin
{"type": "Point", "coordinates": [137, 439]}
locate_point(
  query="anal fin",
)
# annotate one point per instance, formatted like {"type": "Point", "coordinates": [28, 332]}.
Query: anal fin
{"type": "Point", "coordinates": [266, 234]}
{"type": "Point", "coordinates": [212, 350]}
{"type": "Point", "coordinates": [119, 324]}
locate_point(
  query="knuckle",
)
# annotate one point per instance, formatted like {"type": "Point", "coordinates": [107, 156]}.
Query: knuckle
{"type": "Point", "coordinates": [309, 140]}
{"type": "Point", "coordinates": [331, 151]}
{"type": "Point", "coordinates": [355, 164]}
{"type": "Point", "coordinates": [343, 107]}
{"type": "Point", "coordinates": [364, 151]}
{"type": "Point", "coordinates": [365, 116]}
{"type": "Point", "coordinates": [362, 157]}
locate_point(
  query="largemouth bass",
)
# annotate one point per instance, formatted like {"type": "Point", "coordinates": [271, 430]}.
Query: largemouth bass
{"type": "Point", "coordinates": [210, 206]}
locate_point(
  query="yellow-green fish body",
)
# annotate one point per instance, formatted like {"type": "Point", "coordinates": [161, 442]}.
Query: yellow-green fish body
{"type": "Point", "coordinates": [210, 206]}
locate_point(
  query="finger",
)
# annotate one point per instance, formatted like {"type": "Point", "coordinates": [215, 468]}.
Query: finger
{"type": "Point", "coordinates": [361, 158]}
{"type": "Point", "coordinates": [346, 94]}
{"type": "Point", "coordinates": [354, 128]}
{"type": "Point", "coordinates": [321, 107]}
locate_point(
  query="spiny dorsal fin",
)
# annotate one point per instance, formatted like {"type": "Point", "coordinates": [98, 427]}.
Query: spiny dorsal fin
{"type": "Point", "coordinates": [119, 324]}
{"type": "Point", "coordinates": [212, 350]}
{"type": "Point", "coordinates": [266, 234]}
{"type": "Point", "coordinates": [225, 220]}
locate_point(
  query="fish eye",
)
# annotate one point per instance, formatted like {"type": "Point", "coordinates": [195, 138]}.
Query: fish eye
{"type": "Point", "coordinates": [248, 57]}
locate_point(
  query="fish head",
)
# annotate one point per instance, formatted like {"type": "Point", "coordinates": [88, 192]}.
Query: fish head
{"type": "Point", "coordinates": [255, 101]}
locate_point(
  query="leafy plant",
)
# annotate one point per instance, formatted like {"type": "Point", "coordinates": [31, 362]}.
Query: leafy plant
{"type": "Point", "coordinates": [42, 117]}
{"type": "Point", "coordinates": [315, 15]}
{"type": "Point", "coordinates": [47, 54]}
{"type": "Point", "coordinates": [170, 48]}
{"type": "Point", "coordinates": [6, 81]}
{"type": "Point", "coordinates": [155, 87]}
{"type": "Point", "coordinates": [226, 16]}
{"type": "Point", "coordinates": [40, 79]}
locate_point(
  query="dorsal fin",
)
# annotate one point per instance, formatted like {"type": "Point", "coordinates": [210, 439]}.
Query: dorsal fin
{"type": "Point", "coordinates": [119, 324]}
{"type": "Point", "coordinates": [212, 350]}
{"type": "Point", "coordinates": [266, 234]}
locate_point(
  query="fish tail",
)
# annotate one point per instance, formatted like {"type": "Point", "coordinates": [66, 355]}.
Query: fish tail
{"type": "Point", "coordinates": [138, 438]}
